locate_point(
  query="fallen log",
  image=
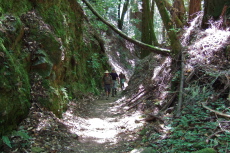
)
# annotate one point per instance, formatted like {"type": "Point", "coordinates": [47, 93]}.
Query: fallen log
{"type": "Point", "coordinates": [152, 117]}
{"type": "Point", "coordinates": [154, 49]}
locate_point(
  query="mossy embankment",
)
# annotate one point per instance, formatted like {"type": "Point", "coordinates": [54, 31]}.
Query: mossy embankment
{"type": "Point", "coordinates": [44, 58]}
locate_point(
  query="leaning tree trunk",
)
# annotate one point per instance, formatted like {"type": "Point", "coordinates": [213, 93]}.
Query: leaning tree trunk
{"type": "Point", "coordinates": [175, 18]}
{"type": "Point", "coordinates": [154, 49]}
{"type": "Point", "coordinates": [175, 45]}
{"type": "Point", "coordinates": [174, 41]}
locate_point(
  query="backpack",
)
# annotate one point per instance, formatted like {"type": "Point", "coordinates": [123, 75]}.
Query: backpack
{"type": "Point", "coordinates": [107, 80]}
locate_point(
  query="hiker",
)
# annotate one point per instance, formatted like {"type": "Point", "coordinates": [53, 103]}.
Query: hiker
{"type": "Point", "coordinates": [106, 82]}
{"type": "Point", "coordinates": [115, 82]}
{"type": "Point", "coordinates": [122, 80]}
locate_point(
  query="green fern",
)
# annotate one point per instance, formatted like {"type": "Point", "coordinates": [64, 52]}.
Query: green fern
{"type": "Point", "coordinates": [23, 134]}
{"type": "Point", "coordinates": [6, 140]}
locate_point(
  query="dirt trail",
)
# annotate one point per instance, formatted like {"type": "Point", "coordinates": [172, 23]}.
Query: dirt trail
{"type": "Point", "coordinates": [100, 126]}
{"type": "Point", "coordinates": [104, 127]}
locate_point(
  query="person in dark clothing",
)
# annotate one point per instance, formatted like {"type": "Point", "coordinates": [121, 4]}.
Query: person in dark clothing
{"type": "Point", "coordinates": [115, 82]}
{"type": "Point", "coordinates": [107, 82]}
{"type": "Point", "coordinates": [122, 80]}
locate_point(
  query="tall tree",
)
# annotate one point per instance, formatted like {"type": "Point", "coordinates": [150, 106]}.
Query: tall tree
{"type": "Point", "coordinates": [121, 15]}
{"type": "Point", "coordinates": [153, 35]}
{"type": "Point", "coordinates": [194, 7]}
{"type": "Point", "coordinates": [136, 42]}
{"type": "Point", "coordinates": [176, 20]}
{"type": "Point", "coordinates": [179, 10]}
{"type": "Point", "coordinates": [145, 25]}
{"type": "Point", "coordinates": [135, 18]}
{"type": "Point", "coordinates": [213, 10]}
{"type": "Point", "coordinates": [168, 24]}
{"type": "Point", "coordinates": [148, 34]}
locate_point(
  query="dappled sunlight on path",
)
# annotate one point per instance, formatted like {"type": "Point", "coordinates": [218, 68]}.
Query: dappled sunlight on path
{"type": "Point", "coordinates": [105, 126]}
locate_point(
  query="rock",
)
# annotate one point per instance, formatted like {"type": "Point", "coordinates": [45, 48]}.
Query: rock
{"type": "Point", "coordinates": [143, 150]}
{"type": "Point", "coordinates": [37, 149]}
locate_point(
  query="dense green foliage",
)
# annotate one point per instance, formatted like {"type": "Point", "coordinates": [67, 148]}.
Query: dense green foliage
{"type": "Point", "coordinates": [197, 130]}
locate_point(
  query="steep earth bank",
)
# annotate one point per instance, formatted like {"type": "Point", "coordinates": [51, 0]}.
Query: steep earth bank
{"type": "Point", "coordinates": [45, 57]}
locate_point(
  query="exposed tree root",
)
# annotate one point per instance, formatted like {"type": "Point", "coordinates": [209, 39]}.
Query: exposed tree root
{"type": "Point", "coordinates": [140, 101]}
{"type": "Point", "coordinates": [169, 102]}
{"type": "Point", "coordinates": [152, 117]}
{"type": "Point", "coordinates": [214, 134]}
{"type": "Point", "coordinates": [216, 112]}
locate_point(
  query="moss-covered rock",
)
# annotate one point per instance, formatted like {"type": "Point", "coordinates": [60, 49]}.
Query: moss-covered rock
{"type": "Point", "coordinates": [14, 81]}
{"type": "Point", "coordinates": [43, 58]}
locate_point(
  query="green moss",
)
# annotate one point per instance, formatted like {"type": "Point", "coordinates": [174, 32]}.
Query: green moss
{"type": "Point", "coordinates": [67, 66]}
{"type": "Point", "coordinates": [42, 64]}
{"type": "Point", "coordinates": [14, 7]}
{"type": "Point", "coordinates": [55, 99]}
{"type": "Point", "coordinates": [15, 91]}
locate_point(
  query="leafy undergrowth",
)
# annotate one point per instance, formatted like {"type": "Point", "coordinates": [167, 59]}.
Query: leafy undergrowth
{"type": "Point", "coordinates": [195, 130]}
{"type": "Point", "coordinates": [104, 126]}
{"type": "Point", "coordinates": [198, 129]}
{"type": "Point", "coordinates": [204, 124]}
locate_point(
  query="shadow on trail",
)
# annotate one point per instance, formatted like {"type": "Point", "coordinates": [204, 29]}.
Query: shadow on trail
{"type": "Point", "coordinates": [101, 126]}
{"type": "Point", "coordinates": [104, 127]}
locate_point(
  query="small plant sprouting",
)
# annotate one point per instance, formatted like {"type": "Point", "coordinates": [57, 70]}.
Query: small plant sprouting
{"type": "Point", "coordinates": [21, 133]}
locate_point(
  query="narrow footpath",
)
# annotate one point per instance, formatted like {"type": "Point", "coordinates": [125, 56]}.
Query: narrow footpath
{"type": "Point", "coordinates": [104, 127]}
{"type": "Point", "coordinates": [90, 126]}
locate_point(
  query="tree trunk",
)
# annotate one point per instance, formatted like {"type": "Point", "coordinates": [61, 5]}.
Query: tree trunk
{"type": "Point", "coordinates": [174, 41]}
{"type": "Point", "coordinates": [121, 18]}
{"type": "Point", "coordinates": [136, 14]}
{"type": "Point", "coordinates": [145, 23]}
{"type": "Point", "coordinates": [175, 18]}
{"type": "Point", "coordinates": [178, 5]}
{"type": "Point", "coordinates": [154, 49]}
{"type": "Point", "coordinates": [194, 7]}
{"type": "Point", "coordinates": [148, 33]}
{"type": "Point", "coordinates": [153, 35]}
{"type": "Point", "coordinates": [212, 10]}
{"type": "Point", "coordinates": [145, 32]}
{"type": "Point", "coordinates": [118, 13]}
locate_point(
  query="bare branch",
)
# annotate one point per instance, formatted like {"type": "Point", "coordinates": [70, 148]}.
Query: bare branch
{"type": "Point", "coordinates": [217, 112]}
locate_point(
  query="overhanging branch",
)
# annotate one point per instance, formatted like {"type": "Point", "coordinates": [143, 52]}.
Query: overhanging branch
{"type": "Point", "coordinates": [154, 49]}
